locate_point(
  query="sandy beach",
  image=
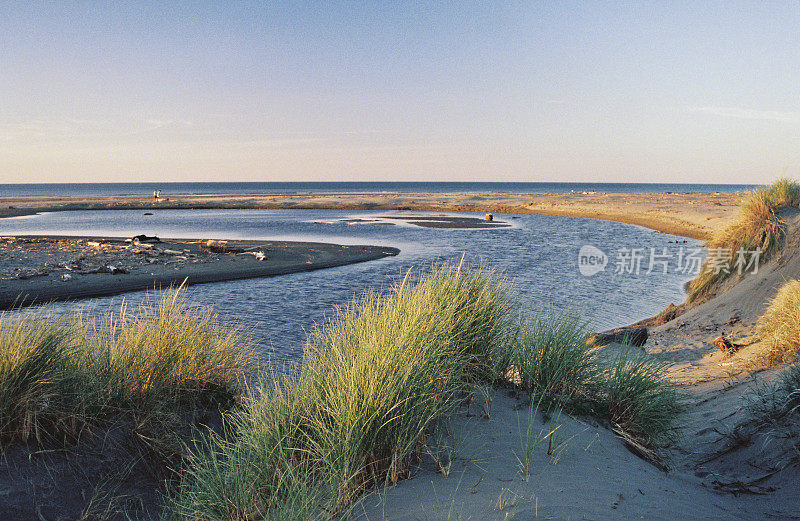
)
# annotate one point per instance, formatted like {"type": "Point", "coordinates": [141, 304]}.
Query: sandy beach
{"type": "Point", "coordinates": [687, 214]}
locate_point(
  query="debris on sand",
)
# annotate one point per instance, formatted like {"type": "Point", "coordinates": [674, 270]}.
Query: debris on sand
{"type": "Point", "coordinates": [145, 239]}
{"type": "Point", "coordinates": [726, 346]}
{"type": "Point", "coordinates": [213, 246]}
{"type": "Point", "coordinates": [259, 255]}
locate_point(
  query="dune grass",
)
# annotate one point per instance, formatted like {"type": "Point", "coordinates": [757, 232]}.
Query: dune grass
{"type": "Point", "coordinates": [780, 324]}
{"type": "Point", "coordinates": [775, 400]}
{"type": "Point", "coordinates": [59, 376]}
{"type": "Point", "coordinates": [552, 359]}
{"type": "Point", "coordinates": [375, 380]}
{"type": "Point", "coordinates": [757, 226]}
{"type": "Point", "coordinates": [637, 396]}
{"type": "Point", "coordinates": [38, 375]}
{"type": "Point", "coordinates": [378, 379]}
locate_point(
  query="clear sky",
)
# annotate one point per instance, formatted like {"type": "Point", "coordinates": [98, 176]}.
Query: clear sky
{"type": "Point", "coordinates": [374, 91]}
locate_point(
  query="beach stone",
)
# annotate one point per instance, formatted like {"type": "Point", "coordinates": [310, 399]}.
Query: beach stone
{"type": "Point", "coordinates": [635, 336]}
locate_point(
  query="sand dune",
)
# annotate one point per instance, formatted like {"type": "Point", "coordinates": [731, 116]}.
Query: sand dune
{"type": "Point", "coordinates": [713, 474]}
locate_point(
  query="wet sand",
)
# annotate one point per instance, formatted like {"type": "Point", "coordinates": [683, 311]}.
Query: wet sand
{"type": "Point", "coordinates": [36, 270]}
{"type": "Point", "coordinates": [688, 214]}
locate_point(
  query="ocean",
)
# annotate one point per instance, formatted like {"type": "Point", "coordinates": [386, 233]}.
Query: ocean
{"type": "Point", "coordinates": [227, 188]}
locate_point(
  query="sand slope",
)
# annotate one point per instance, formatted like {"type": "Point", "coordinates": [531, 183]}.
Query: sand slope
{"type": "Point", "coordinates": [590, 476]}
{"type": "Point", "coordinates": [724, 465]}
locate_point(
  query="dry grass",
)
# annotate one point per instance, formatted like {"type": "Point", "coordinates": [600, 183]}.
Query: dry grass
{"type": "Point", "coordinates": [780, 324]}
{"type": "Point", "coordinates": [757, 226]}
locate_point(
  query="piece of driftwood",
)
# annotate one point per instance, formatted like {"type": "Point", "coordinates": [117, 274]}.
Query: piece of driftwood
{"type": "Point", "coordinates": [144, 238]}
{"type": "Point", "coordinates": [635, 336]}
{"type": "Point", "coordinates": [725, 345]}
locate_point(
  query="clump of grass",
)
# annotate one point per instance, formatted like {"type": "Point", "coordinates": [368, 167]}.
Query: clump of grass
{"type": "Point", "coordinates": [150, 366]}
{"type": "Point", "coordinates": [169, 355]}
{"type": "Point", "coordinates": [551, 356]}
{"type": "Point", "coordinates": [774, 400]}
{"type": "Point", "coordinates": [380, 376]}
{"type": "Point", "coordinates": [636, 395]}
{"type": "Point", "coordinates": [164, 362]}
{"type": "Point", "coordinates": [375, 380]}
{"type": "Point", "coordinates": [552, 359]}
{"type": "Point", "coordinates": [757, 226]}
{"type": "Point", "coordinates": [37, 375]}
{"type": "Point", "coordinates": [780, 324]}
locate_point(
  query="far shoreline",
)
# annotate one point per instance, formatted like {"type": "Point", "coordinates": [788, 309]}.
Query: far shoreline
{"type": "Point", "coordinates": [692, 215]}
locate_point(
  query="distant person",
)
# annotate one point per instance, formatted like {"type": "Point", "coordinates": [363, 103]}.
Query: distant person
{"type": "Point", "coordinates": [155, 195]}
{"type": "Point", "coordinates": [158, 194]}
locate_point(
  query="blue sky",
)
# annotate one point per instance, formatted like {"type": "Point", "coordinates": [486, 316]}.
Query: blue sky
{"type": "Point", "coordinates": [527, 91]}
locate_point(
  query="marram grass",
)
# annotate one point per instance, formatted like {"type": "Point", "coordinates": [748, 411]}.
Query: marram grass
{"type": "Point", "coordinates": [39, 378]}
{"type": "Point", "coordinates": [757, 226]}
{"type": "Point", "coordinates": [375, 380]}
{"type": "Point", "coordinates": [636, 395]}
{"type": "Point", "coordinates": [780, 324]}
{"type": "Point", "coordinates": [59, 376]}
{"type": "Point", "coordinates": [378, 379]}
{"type": "Point", "coordinates": [551, 357]}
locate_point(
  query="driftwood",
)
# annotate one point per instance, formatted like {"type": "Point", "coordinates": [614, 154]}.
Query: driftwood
{"type": "Point", "coordinates": [145, 238]}
{"type": "Point", "coordinates": [635, 336]}
{"type": "Point", "coordinates": [725, 345]}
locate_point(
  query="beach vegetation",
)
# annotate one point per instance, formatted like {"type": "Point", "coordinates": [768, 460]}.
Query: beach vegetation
{"type": "Point", "coordinates": [550, 356]}
{"type": "Point", "coordinates": [758, 225]}
{"type": "Point", "coordinates": [149, 367]}
{"type": "Point", "coordinates": [779, 326]}
{"type": "Point", "coordinates": [377, 381]}
{"type": "Point", "coordinates": [637, 397]}
{"type": "Point", "coordinates": [553, 359]}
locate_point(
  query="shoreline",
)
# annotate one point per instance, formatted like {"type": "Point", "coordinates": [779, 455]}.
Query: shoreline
{"type": "Point", "coordinates": [84, 266]}
{"type": "Point", "coordinates": [693, 215]}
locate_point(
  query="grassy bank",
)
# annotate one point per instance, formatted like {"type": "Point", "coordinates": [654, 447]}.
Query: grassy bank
{"type": "Point", "coordinates": [377, 382]}
{"type": "Point", "coordinates": [780, 324]}
{"type": "Point", "coordinates": [59, 376]}
{"type": "Point", "coordinates": [758, 225]}
{"type": "Point", "coordinates": [95, 415]}
{"type": "Point", "coordinates": [380, 377]}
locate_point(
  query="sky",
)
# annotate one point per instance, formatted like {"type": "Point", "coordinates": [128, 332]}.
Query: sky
{"type": "Point", "coordinates": [400, 91]}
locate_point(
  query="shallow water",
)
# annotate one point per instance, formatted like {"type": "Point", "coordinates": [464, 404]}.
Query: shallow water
{"type": "Point", "coordinates": [538, 252]}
